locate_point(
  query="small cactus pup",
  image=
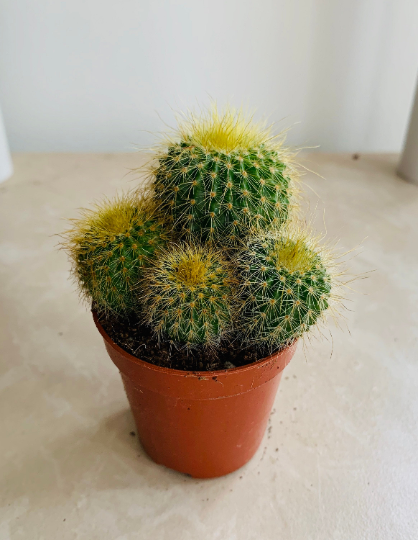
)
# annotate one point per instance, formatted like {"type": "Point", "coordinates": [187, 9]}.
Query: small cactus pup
{"type": "Point", "coordinates": [221, 173]}
{"type": "Point", "coordinates": [288, 281]}
{"type": "Point", "coordinates": [109, 246]}
{"type": "Point", "coordinates": [188, 297]}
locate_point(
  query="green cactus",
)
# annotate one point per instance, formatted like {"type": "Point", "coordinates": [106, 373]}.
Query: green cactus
{"type": "Point", "coordinates": [109, 246]}
{"type": "Point", "coordinates": [187, 296]}
{"type": "Point", "coordinates": [223, 176]}
{"type": "Point", "coordinates": [286, 286]}
{"type": "Point", "coordinates": [223, 187]}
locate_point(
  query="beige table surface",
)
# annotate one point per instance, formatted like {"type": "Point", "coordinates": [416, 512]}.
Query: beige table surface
{"type": "Point", "coordinates": [340, 460]}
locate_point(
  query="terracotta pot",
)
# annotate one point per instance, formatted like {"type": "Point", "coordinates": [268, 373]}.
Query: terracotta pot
{"type": "Point", "coordinates": [204, 424]}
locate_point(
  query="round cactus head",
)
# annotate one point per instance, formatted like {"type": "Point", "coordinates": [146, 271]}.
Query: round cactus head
{"type": "Point", "coordinates": [109, 246]}
{"type": "Point", "coordinates": [222, 174]}
{"type": "Point", "coordinates": [187, 295]}
{"type": "Point", "coordinates": [287, 283]}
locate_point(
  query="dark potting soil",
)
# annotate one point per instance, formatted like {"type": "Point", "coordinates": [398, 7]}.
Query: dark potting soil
{"type": "Point", "coordinates": [137, 339]}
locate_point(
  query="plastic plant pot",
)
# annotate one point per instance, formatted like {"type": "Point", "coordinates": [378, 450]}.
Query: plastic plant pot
{"type": "Point", "coordinates": [205, 424]}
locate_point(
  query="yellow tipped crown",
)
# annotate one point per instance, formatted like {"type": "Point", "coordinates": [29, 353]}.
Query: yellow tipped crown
{"type": "Point", "coordinates": [223, 130]}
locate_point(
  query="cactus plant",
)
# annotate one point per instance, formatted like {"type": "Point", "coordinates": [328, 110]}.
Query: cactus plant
{"type": "Point", "coordinates": [187, 295]}
{"type": "Point", "coordinates": [287, 284]}
{"type": "Point", "coordinates": [109, 246]}
{"type": "Point", "coordinates": [222, 174]}
{"type": "Point", "coordinates": [206, 270]}
{"type": "Point", "coordinates": [220, 180]}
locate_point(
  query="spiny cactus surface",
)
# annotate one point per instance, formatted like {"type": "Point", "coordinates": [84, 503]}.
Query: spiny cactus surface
{"type": "Point", "coordinates": [223, 176]}
{"type": "Point", "coordinates": [187, 295]}
{"type": "Point", "coordinates": [285, 285]}
{"type": "Point", "coordinates": [109, 246]}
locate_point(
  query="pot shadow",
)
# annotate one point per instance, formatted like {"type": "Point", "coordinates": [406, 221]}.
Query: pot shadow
{"type": "Point", "coordinates": [86, 461]}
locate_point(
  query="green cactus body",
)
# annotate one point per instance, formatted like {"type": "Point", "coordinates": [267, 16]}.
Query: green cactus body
{"type": "Point", "coordinates": [285, 288]}
{"type": "Point", "coordinates": [187, 296]}
{"type": "Point", "coordinates": [221, 194]}
{"type": "Point", "coordinates": [109, 247]}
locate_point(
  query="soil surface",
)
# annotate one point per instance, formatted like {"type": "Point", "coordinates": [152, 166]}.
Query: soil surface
{"type": "Point", "coordinates": [137, 339]}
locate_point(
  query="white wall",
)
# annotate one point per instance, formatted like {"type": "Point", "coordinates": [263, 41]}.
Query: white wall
{"type": "Point", "coordinates": [89, 75]}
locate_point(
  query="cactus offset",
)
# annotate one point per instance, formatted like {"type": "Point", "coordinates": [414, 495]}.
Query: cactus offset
{"type": "Point", "coordinates": [187, 295]}
{"type": "Point", "coordinates": [287, 283]}
{"type": "Point", "coordinates": [109, 246]}
{"type": "Point", "coordinates": [222, 175]}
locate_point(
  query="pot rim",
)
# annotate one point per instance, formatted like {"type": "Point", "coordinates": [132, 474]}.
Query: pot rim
{"type": "Point", "coordinates": [187, 373]}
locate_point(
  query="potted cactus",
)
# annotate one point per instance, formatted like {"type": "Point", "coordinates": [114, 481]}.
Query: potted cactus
{"type": "Point", "coordinates": [201, 284]}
